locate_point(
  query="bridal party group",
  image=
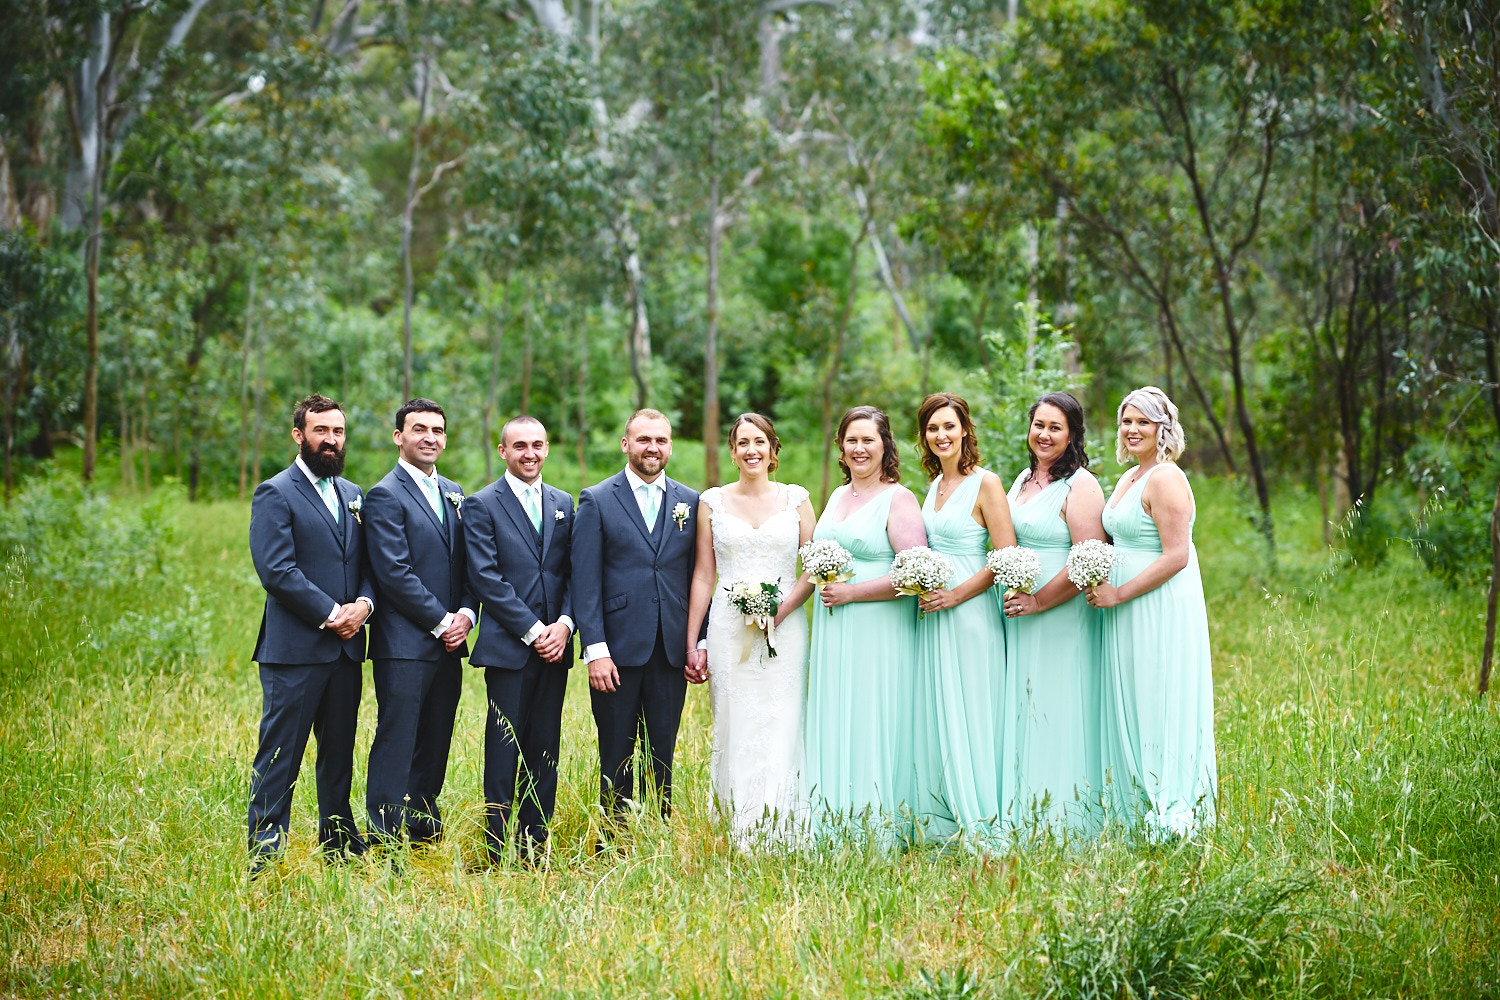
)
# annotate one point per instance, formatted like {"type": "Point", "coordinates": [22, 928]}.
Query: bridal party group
{"type": "Point", "coordinates": [978, 666]}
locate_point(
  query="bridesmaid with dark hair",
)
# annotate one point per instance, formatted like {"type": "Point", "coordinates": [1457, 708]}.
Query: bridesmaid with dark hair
{"type": "Point", "coordinates": [1052, 724]}
{"type": "Point", "coordinates": [961, 640]}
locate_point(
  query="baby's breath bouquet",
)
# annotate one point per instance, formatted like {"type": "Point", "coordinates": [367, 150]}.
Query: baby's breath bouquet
{"type": "Point", "coordinates": [1089, 563]}
{"type": "Point", "coordinates": [917, 570]}
{"type": "Point", "coordinates": [826, 561]}
{"type": "Point", "coordinates": [757, 600]}
{"type": "Point", "coordinates": [1016, 568]}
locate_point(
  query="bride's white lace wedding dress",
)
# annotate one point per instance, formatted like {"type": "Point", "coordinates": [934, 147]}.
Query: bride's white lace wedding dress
{"type": "Point", "coordinates": [758, 703]}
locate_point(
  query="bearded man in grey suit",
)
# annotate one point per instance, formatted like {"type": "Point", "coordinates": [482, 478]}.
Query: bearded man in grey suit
{"type": "Point", "coordinates": [415, 539]}
{"type": "Point", "coordinates": [634, 548]}
{"type": "Point", "coordinates": [519, 533]}
{"type": "Point", "coordinates": [307, 543]}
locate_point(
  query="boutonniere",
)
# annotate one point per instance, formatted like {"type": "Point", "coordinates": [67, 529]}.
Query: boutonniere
{"type": "Point", "coordinates": [558, 515]}
{"type": "Point", "coordinates": [457, 500]}
{"type": "Point", "coordinates": [355, 506]}
{"type": "Point", "coordinates": [680, 515]}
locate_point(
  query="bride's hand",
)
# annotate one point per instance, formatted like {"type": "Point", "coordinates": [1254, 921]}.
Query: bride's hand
{"type": "Point", "coordinates": [835, 594]}
{"type": "Point", "coordinates": [782, 610]}
{"type": "Point", "coordinates": [938, 600]}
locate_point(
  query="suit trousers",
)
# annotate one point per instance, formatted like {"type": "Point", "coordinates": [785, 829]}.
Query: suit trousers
{"type": "Point", "coordinates": [646, 704]}
{"type": "Point", "coordinates": [522, 737]}
{"type": "Point", "coordinates": [321, 699]}
{"type": "Point", "coordinates": [417, 701]}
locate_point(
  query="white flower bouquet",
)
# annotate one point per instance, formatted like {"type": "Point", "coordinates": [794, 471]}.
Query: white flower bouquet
{"type": "Point", "coordinates": [1016, 568]}
{"type": "Point", "coordinates": [757, 600]}
{"type": "Point", "coordinates": [1089, 563]}
{"type": "Point", "coordinates": [917, 570]}
{"type": "Point", "coordinates": [825, 562]}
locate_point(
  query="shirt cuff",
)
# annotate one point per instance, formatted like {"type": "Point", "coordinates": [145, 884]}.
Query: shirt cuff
{"type": "Point", "coordinates": [532, 633]}
{"type": "Point", "coordinates": [368, 601]}
{"type": "Point", "coordinates": [442, 626]}
{"type": "Point", "coordinates": [594, 651]}
{"type": "Point", "coordinates": [565, 620]}
{"type": "Point", "coordinates": [330, 617]}
{"type": "Point", "coordinates": [469, 614]}
{"type": "Point", "coordinates": [702, 643]}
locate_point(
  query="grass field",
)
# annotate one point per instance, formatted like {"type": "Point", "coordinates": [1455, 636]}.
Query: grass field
{"type": "Point", "coordinates": [1357, 853]}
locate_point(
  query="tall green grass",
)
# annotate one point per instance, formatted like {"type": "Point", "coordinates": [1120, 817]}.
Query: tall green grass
{"type": "Point", "coordinates": [1357, 851]}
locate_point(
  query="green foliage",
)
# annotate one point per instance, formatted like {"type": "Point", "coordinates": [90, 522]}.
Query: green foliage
{"type": "Point", "coordinates": [1454, 543]}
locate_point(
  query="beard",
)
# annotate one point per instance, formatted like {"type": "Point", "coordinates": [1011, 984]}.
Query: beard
{"type": "Point", "coordinates": [325, 462]}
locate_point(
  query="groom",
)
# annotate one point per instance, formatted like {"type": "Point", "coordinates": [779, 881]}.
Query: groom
{"type": "Point", "coordinates": [634, 545]}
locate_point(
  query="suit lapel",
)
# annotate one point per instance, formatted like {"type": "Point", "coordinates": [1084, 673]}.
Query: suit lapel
{"type": "Point", "coordinates": [549, 519]}
{"type": "Point", "coordinates": [659, 534]}
{"type": "Point", "coordinates": [512, 505]}
{"type": "Point", "coordinates": [450, 517]}
{"type": "Point", "coordinates": [310, 494]}
{"type": "Point", "coordinates": [340, 491]}
{"type": "Point", "coordinates": [421, 499]}
{"type": "Point", "coordinates": [626, 496]}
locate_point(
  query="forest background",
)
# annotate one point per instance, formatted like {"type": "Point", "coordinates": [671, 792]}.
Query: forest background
{"type": "Point", "coordinates": [1284, 213]}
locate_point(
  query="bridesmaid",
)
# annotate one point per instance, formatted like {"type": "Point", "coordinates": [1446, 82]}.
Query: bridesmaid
{"type": "Point", "coordinates": [859, 686]}
{"type": "Point", "coordinates": [961, 641]}
{"type": "Point", "coordinates": [1053, 774]}
{"type": "Point", "coordinates": [1158, 703]}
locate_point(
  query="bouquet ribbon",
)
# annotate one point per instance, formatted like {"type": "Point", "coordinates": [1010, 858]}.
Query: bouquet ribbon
{"type": "Point", "coordinates": [755, 624]}
{"type": "Point", "coordinates": [822, 581]}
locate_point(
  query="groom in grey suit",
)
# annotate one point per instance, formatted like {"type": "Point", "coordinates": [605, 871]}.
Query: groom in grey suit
{"type": "Point", "coordinates": [419, 635]}
{"type": "Point", "coordinates": [307, 543]}
{"type": "Point", "coordinates": [634, 546]}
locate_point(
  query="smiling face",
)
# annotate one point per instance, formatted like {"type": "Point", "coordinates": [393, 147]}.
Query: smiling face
{"type": "Point", "coordinates": [751, 450]}
{"type": "Point", "coordinates": [422, 439]}
{"type": "Point", "coordinates": [1138, 434]}
{"type": "Point", "coordinates": [1047, 437]}
{"type": "Point", "coordinates": [524, 450]}
{"type": "Point", "coordinates": [862, 448]}
{"type": "Point", "coordinates": [647, 445]}
{"type": "Point", "coordinates": [944, 434]}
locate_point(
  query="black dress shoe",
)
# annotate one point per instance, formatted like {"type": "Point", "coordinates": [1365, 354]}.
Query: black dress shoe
{"type": "Point", "coordinates": [340, 840]}
{"type": "Point", "coordinates": [261, 862]}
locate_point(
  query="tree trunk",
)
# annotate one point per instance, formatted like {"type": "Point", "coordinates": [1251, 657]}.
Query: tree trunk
{"type": "Point", "coordinates": [711, 342]}
{"type": "Point", "coordinates": [1492, 604]}
{"type": "Point", "coordinates": [143, 430]}
{"type": "Point", "coordinates": [491, 398]}
{"type": "Point", "coordinates": [260, 407]}
{"type": "Point", "coordinates": [525, 364]}
{"type": "Point", "coordinates": [424, 67]}
{"type": "Point", "coordinates": [835, 358]}
{"type": "Point", "coordinates": [583, 399]}
{"type": "Point", "coordinates": [640, 322]}
{"type": "Point", "coordinates": [245, 379]}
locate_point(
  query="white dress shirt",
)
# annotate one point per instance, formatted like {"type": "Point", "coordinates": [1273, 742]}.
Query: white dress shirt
{"type": "Point", "coordinates": [520, 488]}
{"type": "Point", "coordinates": [595, 650]}
{"type": "Point", "coordinates": [417, 476]}
{"type": "Point", "coordinates": [314, 480]}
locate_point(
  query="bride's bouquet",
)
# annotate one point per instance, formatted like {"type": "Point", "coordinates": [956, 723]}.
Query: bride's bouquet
{"type": "Point", "coordinates": [757, 601]}
{"type": "Point", "coordinates": [826, 561]}
{"type": "Point", "coordinates": [917, 570]}
{"type": "Point", "coordinates": [1016, 568]}
{"type": "Point", "coordinates": [1089, 563]}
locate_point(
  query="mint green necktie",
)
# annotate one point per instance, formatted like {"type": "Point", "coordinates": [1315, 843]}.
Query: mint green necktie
{"type": "Point", "coordinates": [430, 487]}
{"type": "Point", "coordinates": [330, 497]}
{"type": "Point", "coordinates": [652, 508]}
{"type": "Point", "coordinates": [534, 508]}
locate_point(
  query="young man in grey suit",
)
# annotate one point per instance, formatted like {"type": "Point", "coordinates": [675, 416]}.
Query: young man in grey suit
{"type": "Point", "coordinates": [519, 534]}
{"type": "Point", "coordinates": [419, 636]}
{"type": "Point", "coordinates": [307, 543]}
{"type": "Point", "coordinates": [633, 553]}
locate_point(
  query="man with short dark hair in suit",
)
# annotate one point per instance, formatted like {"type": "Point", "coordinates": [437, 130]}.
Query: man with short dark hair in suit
{"type": "Point", "coordinates": [519, 534]}
{"type": "Point", "coordinates": [307, 543]}
{"type": "Point", "coordinates": [418, 637]}
{"type": "Point", "coordinates": [633, 553]}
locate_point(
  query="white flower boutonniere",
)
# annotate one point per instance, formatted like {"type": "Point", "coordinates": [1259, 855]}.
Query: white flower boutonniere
{"type": "Point", "coordinates": [457, 500]}
{"type": "Point", "coordinates": [680, 515]}
{"type": "Point", "coordinates": [558, 515]}
{"type": "Point", "coordinates": [355, 506]}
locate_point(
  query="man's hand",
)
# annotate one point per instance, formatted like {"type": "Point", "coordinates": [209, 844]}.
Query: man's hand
{"type": "Point", "coordinates": [603, 674]}
{"type": "Point", "coordinates": [457, 632]}
{"type": "Point", "coordinates": [696, 670]}
{"type": "Point", "coordinates": [349, 618]}
{"type": "Point", "coordinates": [553, 642]}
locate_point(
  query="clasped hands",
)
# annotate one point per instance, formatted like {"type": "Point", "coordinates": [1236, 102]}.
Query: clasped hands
{"type": "Point", "coordinates": [348, 619]}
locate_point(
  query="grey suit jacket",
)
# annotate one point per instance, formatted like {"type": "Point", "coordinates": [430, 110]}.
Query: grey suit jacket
{"type": "Point", "coordinates": [522, 577]}
{"type": "Point", "coordinates": [307, 563]}
{"type": "Point", "coordinates": [629, 583]}
{"type": "Point", "coordinates": [417, 564]}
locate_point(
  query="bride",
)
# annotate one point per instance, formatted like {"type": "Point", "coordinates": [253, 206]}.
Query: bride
{"type": "Point", "coordinates": [750, 531]}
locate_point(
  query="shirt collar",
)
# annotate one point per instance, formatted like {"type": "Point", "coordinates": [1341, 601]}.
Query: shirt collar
{"type": "Point", "coordinates": [518, 486]}
{"type": "Point", "coordinates": [636, 482]}
{"type": "Point", "coordinates": [415, 472]}
{"type": "Point", "coordinates": [306, 471]}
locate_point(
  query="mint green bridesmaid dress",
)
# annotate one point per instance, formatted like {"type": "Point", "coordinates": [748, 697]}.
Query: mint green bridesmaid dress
{"type": "Point", "coordinates": [1157, 673]}
{"type": "Point", "coordinates": [860, 686]}
{"type": "Point", "coordinates": [960, 674]}
{"type": "Point", "coordinates": [1051, 777]}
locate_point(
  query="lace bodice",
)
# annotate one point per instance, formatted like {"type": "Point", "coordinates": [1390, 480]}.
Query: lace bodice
{"type": "Point", "coordinates": [743, 551]}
